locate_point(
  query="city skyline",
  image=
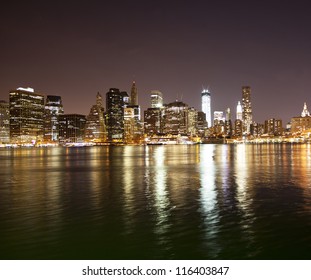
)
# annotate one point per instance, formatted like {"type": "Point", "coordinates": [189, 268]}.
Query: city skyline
{"type": "Point", "coordinates": [178, 48]}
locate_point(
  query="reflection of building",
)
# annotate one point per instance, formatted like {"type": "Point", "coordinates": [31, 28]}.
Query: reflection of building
{"type": "Point", "coordinates": [115, 103]}
{"type": "Point", "coordinates": [71, 128]}
{"type": "Point", "coordinates": [247, 115]}
{"type": "Point", "coordinates": [53, 108]}
{"type": "Point", "coordinates": [26, 116]}
{"type": "Point", "coordinates": [4, 122]}
{"type": "Point", "coordinates": [95, 129]}
{"type": "Point", "coordinates": [206, 106]}
{"type": "Point", "coordinates": [302, 123]}
{"type": "Point", "coordinates": [156, 99]}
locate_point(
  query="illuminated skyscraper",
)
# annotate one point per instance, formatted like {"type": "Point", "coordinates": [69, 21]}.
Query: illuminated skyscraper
{"type": "Point", "coordinates": [156, 99]}
{"type": "Point", "coordinates": [95, 130]}
{"type": "Point", "coordinates": [53, 108]}
{"type": "Point", "coordinates": [4, 122]}
{"type": "Point", "coordinates": [305, 112]}
{"type": "Point", "coordinates": [247, 115]}
{"type": "Point", "coordinates": [206, 106]}
{"type": "Point", "coordinates": [115, 114]}
{"type": "Point", "coordinates": [71, 128]}
{"type": "Point", "coordinates": [26, 116]}
{"type": "Point", "coordinates": [239, 111]}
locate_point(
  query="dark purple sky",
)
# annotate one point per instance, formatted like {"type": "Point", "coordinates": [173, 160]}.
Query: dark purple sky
{"type": "Point", "coordinates": [77, 48]}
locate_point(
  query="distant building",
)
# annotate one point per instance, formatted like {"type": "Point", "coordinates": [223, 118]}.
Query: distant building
{"type": "Point", "coordinates": [4, 122]}
{"type": "Point", "coordinates": [152, 121]}
{"type": "Point", "coordinates": [156, 99]}
{"type": "Point", "coordinates": [95, 129]}
{"type": "Point", "coordinates": [134, 95]}
{"type": "Point", "coordinates": [228, 124]}
{"type": "Point", "coordinates": [302, 123]}
{"type": "Point", "coordinates": [115, 103]}
{"type": "Point", "coordinates": [178, 118]}
{"type": "Point", "coordinates": [53, 108]}
{"type": "Point", "coordinates": [247, 115]}
{"type": "Point", "coordinates": [26, 116]}
{"type": "Point", "coordinates": [202, 124]}
{"type": "Point", "coordinates": [238, 128]}
{"type": "Point", "coordinates": [129, 125]}
{"type": "Point", "coordinates": [239, 111]}
{"type": "Point", "coordinates": [206, 106]}
{"type": "Point", "coordinates": [273, 127]}
{"type": "Point", "coordinates": [218, 117]}
{"type": "Point", "coordinates": [72, 128]}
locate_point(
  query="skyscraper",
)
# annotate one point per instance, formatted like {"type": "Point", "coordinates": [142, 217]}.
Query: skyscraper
{"type": "Point", "coordinates": [134, 95]}
{"type": "Point", "coordinates": [95, 129]}
{"type": "Point", "coordinates": [72, 128]}
{"type": "Point", "coordinates": [206, 106]}
{"type": "Point", "coordinates": [156, 99]}
{"type": "Point", "coordinates": [239, 111]}
{"type": "Point", "coordinates": [4, 122]}
{"type": "Point", "coordinates": [247, 115]}
{"type": "Point", "coordinates": [26, 116]}
{"type": "Point", "coordinates": [115, 114]}
{"type": "Point", "coordinates": [53, 108]}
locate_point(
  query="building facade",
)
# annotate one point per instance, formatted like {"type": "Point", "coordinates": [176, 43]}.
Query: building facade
{"type": "Point", "coordinates": [115, 103]}
{"type": "Point", "coordinates": [4, 122]}
{"type": "Point", "coordinates": [72, 128]}
{"type": "Point", "coordinates": [247, 115]}
{"type": "Point", "coordinates": [26, 116]}
{"type": "Point", "coordinates": [95, 130]}
{"type": "Point", "coordinates": [206, 106]}
{"type": "Point", "coordinates": [53, 108]}
{"type": "Point", "coordinates": [156, 99]}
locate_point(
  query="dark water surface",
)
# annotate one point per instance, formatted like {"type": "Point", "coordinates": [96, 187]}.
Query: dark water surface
{"type": "Point", "coordinates": [156, 202]}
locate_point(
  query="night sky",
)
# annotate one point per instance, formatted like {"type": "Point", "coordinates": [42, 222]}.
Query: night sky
{"type": "Point", "coordinates": [77, 48]}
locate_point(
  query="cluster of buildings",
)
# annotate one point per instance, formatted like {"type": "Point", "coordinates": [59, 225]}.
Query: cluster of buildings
{"type": "Point", "coordinates": [30, 118]}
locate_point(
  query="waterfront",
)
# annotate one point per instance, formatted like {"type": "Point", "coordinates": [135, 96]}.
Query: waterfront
{"type": "Point", "coordinates": [156, 202]}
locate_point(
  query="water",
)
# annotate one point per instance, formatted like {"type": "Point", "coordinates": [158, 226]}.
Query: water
{"type": "Point", "coordinates": [156, 202]}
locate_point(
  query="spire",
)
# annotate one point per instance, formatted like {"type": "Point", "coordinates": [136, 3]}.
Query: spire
{"type": "Point", "coordinates": [305, 112]}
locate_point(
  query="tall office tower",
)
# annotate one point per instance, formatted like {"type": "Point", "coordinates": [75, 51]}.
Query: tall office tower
{"type": "Point", "coordinates": [26, 116]}
{"type": "Point", "coordinates": [129, 125]}
{"type": "Point", "coordinates": [156, 99]}
{"type": "Point", "coordinates": [134, 95]}
{"type": "Point", "coordinates": [4, 122]}
{"type": "Point", "coordinates": [239, 111]}
{"type": "Point", "coordinates": [53, 108]}
{"type": "Point", "coordinates": [228, 114]}
{"type": "Point", "coordinates": [305, 112]}
{"type": "Point", "coordinates": [206, 106]}
{"type": "Point", "coordinates": [72, 128]}
{"type": "Point", "coordinates": [152, 121]}
{"type": "Point", "coordinates": [115, 114]}
{"type": "Point", "coordinates": [202, 124]}
{"type": "Point", "coordinates": [247, 116]}
{"type": "Point", "coordinates": [273, 127]}
{"type": "Point", "coordinates": [228, 123]}
{"type": "Point", "coordinates": [95, 129]}
{"type": "Point", "coordinates": [175, 118]}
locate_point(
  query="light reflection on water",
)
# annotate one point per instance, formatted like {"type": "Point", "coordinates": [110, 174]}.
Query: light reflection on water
{"type": "Point", "coordinates": [156, 202]}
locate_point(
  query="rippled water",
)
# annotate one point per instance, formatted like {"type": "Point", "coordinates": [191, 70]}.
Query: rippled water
{"type": "Point", "coordinates": [156, 202]}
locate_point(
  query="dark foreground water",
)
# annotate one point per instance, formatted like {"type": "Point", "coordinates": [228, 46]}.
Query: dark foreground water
{"type": "Point", "coordinates": [156, 202]}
